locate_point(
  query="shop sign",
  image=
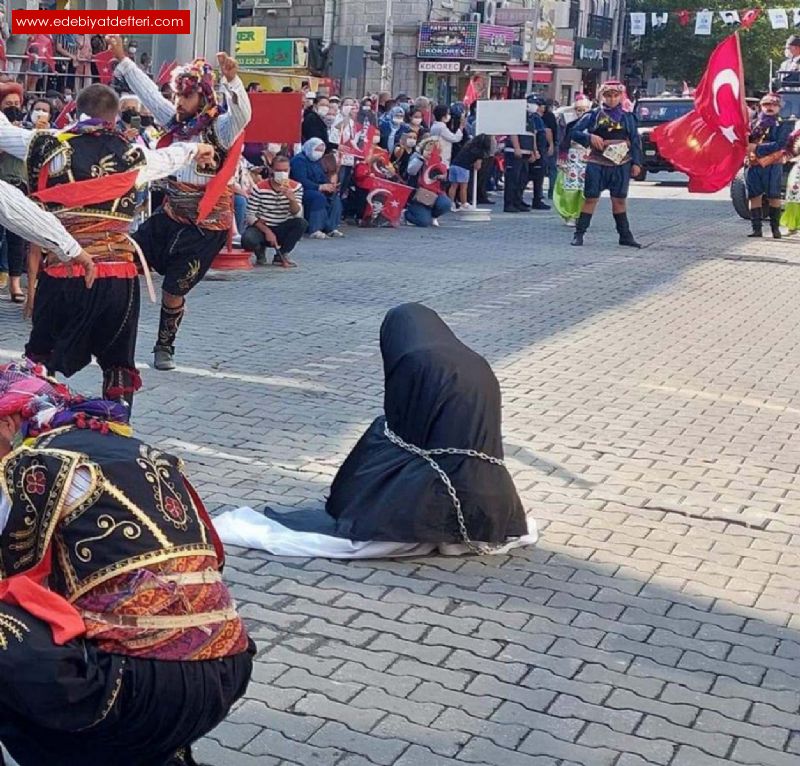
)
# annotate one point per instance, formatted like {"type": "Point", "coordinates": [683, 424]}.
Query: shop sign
{"type": "Point", "coordinates": [563, 53]}
{"type": "Point", "coordinates": [448, 40]}
{"type": "Point", "coordinates": [439, 66]}
{"type": "Point", "coordinates": [281, 53]}
{"type": "Point", "coordinates": [545, 35]}
{"type": "Point", "coordinates": [495, 43]}
{"type": "Point", "coordinates": [513, 17]}
{"type": "Point", "coordinates": [251, 41]}
{"type": "Point", "coordinates": [588, 53]}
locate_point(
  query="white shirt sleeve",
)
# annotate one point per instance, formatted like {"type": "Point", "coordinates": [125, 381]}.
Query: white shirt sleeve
{"type": "Point", "coordinates": [229, 125]}
{"type": "Point", "coordinates": [165, 162]}
{"type": "Point", "coordinates": [29, 221]}
{"type": "Point", "coordinates": [142, 86]}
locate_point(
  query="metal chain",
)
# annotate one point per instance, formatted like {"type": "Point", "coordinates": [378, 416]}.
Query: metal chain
{"type": "Point", "coordinates": [425, 454]}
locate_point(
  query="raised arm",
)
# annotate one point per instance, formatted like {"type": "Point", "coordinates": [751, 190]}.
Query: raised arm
{"type": "Point", "coordinates": [141, 85]}
{"type": "Point", "coordinates": [169, 160]}
{"type": "Point", "coordinates": [228, 126]}
{"type": "Point", "coordinates": [13, 139]}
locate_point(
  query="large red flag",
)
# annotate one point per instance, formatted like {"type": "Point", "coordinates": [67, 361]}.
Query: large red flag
{"type": "Point", "coordinates": [709, 143]}
{"type": "Point", "coordinates": [387, 199]}
{"type": "Point", "coordinates": [103, 62]}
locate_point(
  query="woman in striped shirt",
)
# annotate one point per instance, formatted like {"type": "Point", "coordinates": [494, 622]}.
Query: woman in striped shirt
{"type": "Point", "coordinates": [275, 216]}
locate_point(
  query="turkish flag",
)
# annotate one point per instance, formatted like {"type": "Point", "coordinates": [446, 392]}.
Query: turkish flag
{"type": "Point", "coordinates": [361, 141]}
{"type": "Point", "coordinates": [165, 73]}
{"type": "Point", "coordinates": [65, 115]}
{"type": "Point", "coordinates": [709, 143]}
{"type": "Point", "coordinates": [103, 62]}
{"type": "Point", "coordinates": [750, 17]}
{"type": "Point", "coordinates": [385, 198]}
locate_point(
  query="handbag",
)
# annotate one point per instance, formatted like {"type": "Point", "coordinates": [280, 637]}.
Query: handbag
{"type": "Point", "coordinates": [425, 197]}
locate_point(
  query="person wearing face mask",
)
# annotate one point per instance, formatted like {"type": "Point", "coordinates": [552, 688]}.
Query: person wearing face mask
{"type": "Point", "coordinates": [330, 121]}
{"type": "Point", "coordinates": [268, 155]}
{"type": "Point", "coordinates": [523, 159]}
{"type": "Point", "coordinates": [416, 124]}
{"type": "Point", "coordinates": [439, 129]}
{"type": "Point", "coordinates": [425, 171]}
{"type": "Point", "coordinates": [39, 115]}
{"type": "Point", "coordinates": [366, 113]}
{"type": "Point", "coordinates": [323, 205]}
{"type": "Point", "coordinates": [275, 216]}
{"type": "Point", "coordinates": [314, 125]}
{"type": "Point", "coordinates": [403, 151]}
{"type": "Point", "coordinates": [392, 128]}
{"type": "Point", "coordinates": [11, 102]}
{"type": "Point", "coordinates": [612, 136]}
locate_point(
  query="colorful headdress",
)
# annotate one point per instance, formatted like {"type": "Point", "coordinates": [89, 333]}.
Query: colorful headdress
{"type": "Point", "coordinates": [770, 98]}
{"type": "Point", "coordinates": [198, 76]}
{"type": "Point", "coordinates": [611, 86]}
{"type": "Point", "coordinates": [43, 403]}
{"type": "Point", "coordinates": [582, 101]}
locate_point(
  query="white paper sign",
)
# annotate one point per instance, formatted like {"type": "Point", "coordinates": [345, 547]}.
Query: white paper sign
{"type": "Point", "coordinates": [659, 20]}
{"type": "Point", "coordinates": [702, 22]}
{"type": "Point", "coordinates": [778, 18]}
{"type": "Point", "coordinates": [502, 118]}
{"type": "Point", "coordinates": [731, 18]}
{"type": "Point", "coordinates": [638, 23]}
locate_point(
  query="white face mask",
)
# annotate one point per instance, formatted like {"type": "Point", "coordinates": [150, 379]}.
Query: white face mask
{"type": "Point", "coordinates": [397, 120]}
{"type": "Point", "coordinates": [318, 155]}
{"type": "Point", "coordinates": [37, 115]}
{"type": "Point", "coordinates": [347, 110]}
{"type": "Point", "coordinates": [532, 109]}
{"type": "Point", "coordinates": [322, 111]}
{"type": "Point", "coordinates": [274, 148]}
{"type": "Point", "coordinates": [281, 176]}
{"type": "Point", "coordinates": [411, 143]}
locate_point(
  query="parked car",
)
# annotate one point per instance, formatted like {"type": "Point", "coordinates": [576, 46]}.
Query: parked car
{"type": "Point", "coordinates": [790, 110]}
{"type": "Point", "coordinates": [651, 112]}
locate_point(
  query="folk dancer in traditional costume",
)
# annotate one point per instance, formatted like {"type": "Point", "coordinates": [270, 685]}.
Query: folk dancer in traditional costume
{"type": "Point", "coordinates": [119, 642]}
{"type": "Point", "coordinates": [568, 192]}
{"type": "Point", "coordinates": [88, 175]}
{"type": "Point", "coordinates": [615, 155]}
{"type": "Point", "coordinates": [427, 475]}
{"type": "Point", "coordinates": [769, 135]}
{"type": "Point", "coordinates": [175, 241]}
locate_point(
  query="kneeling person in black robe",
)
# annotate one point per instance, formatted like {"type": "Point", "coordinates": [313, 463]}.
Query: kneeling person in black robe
{"type": "Point", "coordinates": [427, 474]}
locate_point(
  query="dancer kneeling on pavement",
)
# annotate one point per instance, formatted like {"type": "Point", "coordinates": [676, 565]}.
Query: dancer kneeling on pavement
{"type": "Point", "coordinates": [769, 137]}
{"type": "Point", "coordinates": [323, 205]}
{"type": "Point", "coordinates": [616, 154]}
{"type": "Point", "coordinates": [119, 642]}
{"type": "Point", "coordinates": [275, 216]}
{"type": "Point", "coordinates": [427, 475]}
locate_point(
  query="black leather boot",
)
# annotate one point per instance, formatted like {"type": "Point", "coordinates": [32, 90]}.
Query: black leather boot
{"type": "Point", "coordinates": [584, 219]}
{"type": "Point", "coordinates": [755, 222]}
{"type": "Point", "coordinates": [624, 230]}
{"type": "Point", "coordinates": [775, 222]}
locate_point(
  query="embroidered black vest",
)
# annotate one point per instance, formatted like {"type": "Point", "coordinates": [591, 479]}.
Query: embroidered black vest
{"type": "Point", "coordinates": [137, 511]}
{"type": "Point", "coordinates": [86, 156]}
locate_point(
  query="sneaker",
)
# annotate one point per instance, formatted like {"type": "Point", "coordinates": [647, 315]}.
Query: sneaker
{"type": "Point", "coordinates": [335, 234]}
{"type": "Point", "coordinates": [435, 222]}
{"type": "Point", "coordinates": [318, 235]}
{"type": "Point", "coordinates": [163, 359]}
{"type": "Point", "coordinates": [466, 206]}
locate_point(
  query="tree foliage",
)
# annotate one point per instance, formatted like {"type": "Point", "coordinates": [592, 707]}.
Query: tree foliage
{"type": "Point", "coordinates": [676, 53]}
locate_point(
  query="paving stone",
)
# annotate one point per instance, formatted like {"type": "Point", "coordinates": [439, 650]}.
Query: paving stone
{"type": "Point", "coordinates": [381, 750]}
{"type": "Point", "coordinates": [441, 742]}
{"type": "Point", "coordinates": [298, 678]}
{"type": "Point", "coordinates": [351, 715]}
{"type": "Point", "coordinates": [715, 743]}
{"type": "Point", "coordinates": [597, 736]}
{"type": "Point", "coordinates": [483, 751]}
{"type": "Point", "coordinates": [481, 707]}
{"type": "Point", "coordinates": [542, 743]}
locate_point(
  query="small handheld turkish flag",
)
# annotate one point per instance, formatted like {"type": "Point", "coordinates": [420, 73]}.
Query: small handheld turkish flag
{"type": "Point", "coordinates": [709, 143]}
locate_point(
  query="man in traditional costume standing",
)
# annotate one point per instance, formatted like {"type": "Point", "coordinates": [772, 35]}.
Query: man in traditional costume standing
{"type": "Point", "coordinates": [612, 135]}
{"type": "Point", "coordinates": [88, 176]}
{"type": "Point", "coordinates": [182, 239]}
{"type": "Point", "coordinates": [119, 642]}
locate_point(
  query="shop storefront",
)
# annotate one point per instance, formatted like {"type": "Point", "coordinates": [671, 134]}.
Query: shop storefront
{"type": "Point", "coordinates": [453, 53]}
{"type": "Point", "coordinates": [589, 58]}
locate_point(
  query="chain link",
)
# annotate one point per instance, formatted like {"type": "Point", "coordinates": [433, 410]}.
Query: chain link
{"type": "Point", "coordinates": [426, 454]}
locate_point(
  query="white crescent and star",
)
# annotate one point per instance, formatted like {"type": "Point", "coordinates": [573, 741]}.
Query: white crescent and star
{"type": "Point", "coordinates": [723, 78]}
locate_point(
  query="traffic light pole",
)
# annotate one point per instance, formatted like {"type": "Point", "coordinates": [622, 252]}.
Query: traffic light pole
{"type": "Point", "coordinates": [386, 68]}
{"type": "Point", "coordinates": [534, 38]}
{"type": "Point", "coordinates": [225, 26]}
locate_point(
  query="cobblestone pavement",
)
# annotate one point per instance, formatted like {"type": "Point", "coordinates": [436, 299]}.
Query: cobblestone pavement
{"type": "Point", "coordinates": [651, 416]}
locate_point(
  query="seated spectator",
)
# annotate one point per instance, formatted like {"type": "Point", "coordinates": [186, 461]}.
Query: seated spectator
{"type": "Point", "coordinates": [469, 159]}
{"type": "Point", "coordinates": [323, 205]}
{"type": "Point", "coordinates": [393, 127]}
{"type": "Point", "coordinates": [439, 129]}
{"type": "Point", "coordinates": [416, 123]}
{"type": "Point", "coordinates": [314, 125]}
{"type": "Point", "coordinates": [11, 102]}
{"type": "Point", "coordinates": [40, 115]}
{"type": "Point", "coordinates": [242, 184]}
{"type": "Point", "coordinates": [426, 172]}
{"type": "Point", "coordinates": [403, 151]}
{"type": "Point", "coordinates": [268, 155]}
{"type": "Point", "coordinates": [254, 87]}
{"type": "Point", "coordinates": [275, 216]}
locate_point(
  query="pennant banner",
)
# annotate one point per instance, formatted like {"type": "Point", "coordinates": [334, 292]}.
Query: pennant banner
{"type": "Point", "coordinates": [638, 23]}
{"type": "Point", "coordinates": [779, 18]}
{"type": "Point", "coordinates": [702, 22]}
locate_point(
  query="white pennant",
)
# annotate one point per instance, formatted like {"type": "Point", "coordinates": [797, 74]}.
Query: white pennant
{"type": "Point", "coordinates": [702, 22]}
{"type": "Point", "coordinates": [796, 17]}
{"type": "Point", "coordinates": [731, 18]}
{"type": "Point", "coordinates": [778, 18]}
{"type": "Point", "coordinates": [659, 20]}
{"type": "Point", "coordinates": [638, 23]}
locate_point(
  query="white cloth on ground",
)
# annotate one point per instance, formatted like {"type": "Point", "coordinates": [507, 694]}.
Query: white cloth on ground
{"type": "Point", "coordinates": [249, 529]}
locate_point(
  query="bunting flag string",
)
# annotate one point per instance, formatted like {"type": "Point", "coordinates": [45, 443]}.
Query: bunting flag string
{"type": "Point", "coordinates": [778, 18]}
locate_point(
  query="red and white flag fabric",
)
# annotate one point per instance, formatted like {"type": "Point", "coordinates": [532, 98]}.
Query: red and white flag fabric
{"type": "Point", "coordinates": [165, 73]}
{"type": "Point", "coordinates": [65, 115]}
{"type": "Point", "coordinates": [387, 199]}
{"type": "Point", "coordinates": [750, 17]}
{"type": "Point", "coordinates": [103, 61]}
{"type": "Point", "coordinates": [709, 143]}
{"type": "Point", "coordinates": [361, 140]}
